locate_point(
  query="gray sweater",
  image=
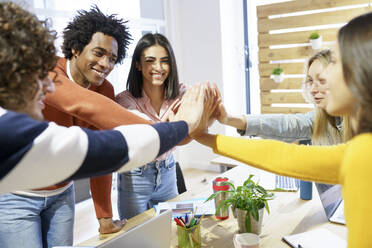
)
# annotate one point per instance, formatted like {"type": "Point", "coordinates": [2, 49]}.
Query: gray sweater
{"type": "Point", "coordinates": [285, 127]}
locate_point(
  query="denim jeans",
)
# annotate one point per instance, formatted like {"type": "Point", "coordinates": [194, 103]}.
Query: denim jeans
{"type": "Point", "coordinates": [140, 189]}
{"type": "Point", "coordinates": [37, 222]}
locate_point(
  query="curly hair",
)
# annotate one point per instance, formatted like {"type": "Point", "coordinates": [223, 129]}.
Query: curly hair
{"type": "Point", "coordinates": [79, 32]}
{"type": "Point", "coordinates": [27, 53]}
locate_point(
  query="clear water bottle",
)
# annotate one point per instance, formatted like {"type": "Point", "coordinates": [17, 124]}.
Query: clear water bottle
{"type": "Point", "coordinates": [219, 185]}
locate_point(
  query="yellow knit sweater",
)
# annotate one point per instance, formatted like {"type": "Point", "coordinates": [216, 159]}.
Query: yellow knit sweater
{"type": "Point", "coordinates": [348, 164]}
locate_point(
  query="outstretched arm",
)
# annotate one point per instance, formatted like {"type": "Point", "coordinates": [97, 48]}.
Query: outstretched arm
{"type": "Point", "coordinates": [311, 163]}
{"type": "Point", "coordinates": [37, 154]}
{"type": "Point", "coordinates": [285, 127]}
{"type": "Point", "coordinates": [88, 106]}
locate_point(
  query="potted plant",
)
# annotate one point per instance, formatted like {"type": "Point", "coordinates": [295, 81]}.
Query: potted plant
{"type": "Point", "coordinates": [278, 75]}
{"type": "Point", "coordinates": [315, 41]}
{"type": "Point", "coordinates": [248, 201]}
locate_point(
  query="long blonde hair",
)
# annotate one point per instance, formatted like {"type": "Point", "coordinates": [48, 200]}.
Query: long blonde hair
{"type": "Point", "coordinates": [327, 130]}
{"type": "Point", "coordinates": [330, 130]}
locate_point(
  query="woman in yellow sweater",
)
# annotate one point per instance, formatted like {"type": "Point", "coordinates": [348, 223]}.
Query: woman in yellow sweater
{"type": "Point", "coordinates": [349, 79]}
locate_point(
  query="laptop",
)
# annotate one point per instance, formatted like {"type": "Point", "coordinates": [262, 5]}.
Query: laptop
{"type": "Point", "coordinates": [333, 204]}
{"type": "Point", "coordinates": [154, 233]}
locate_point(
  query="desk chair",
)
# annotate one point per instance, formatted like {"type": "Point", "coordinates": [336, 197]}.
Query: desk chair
{"type": "Point", "coordinates": [180, 179]}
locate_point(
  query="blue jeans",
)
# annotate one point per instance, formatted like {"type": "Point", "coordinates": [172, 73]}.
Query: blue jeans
{"type": "Point", "coordinates": [37, 222]}
{"type": "Point", "coordinates": [140, 189]}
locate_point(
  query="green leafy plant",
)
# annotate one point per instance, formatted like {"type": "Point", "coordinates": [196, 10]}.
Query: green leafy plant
{"type": "Point", "coordinates": [250, 197]}
{"type": "Point", "coordinates": [314, 36]}
{"type": "Point", "coordinates": [277, 71]}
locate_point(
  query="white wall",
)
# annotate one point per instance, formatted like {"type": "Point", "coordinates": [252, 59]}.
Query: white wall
{"type": "Point", "coordinates": [233, 60]}
{"type": "Point", "coordinates": [207, 37]}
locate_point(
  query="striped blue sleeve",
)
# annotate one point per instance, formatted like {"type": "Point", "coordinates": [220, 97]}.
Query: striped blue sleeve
{"type": "Point", "coordinates": [141, 144]}
{"type": "Point", "coordinates": [37, 154]}
{"type": "Point", "coordinates": [107, 152]}
{"type": "Point", "coordinates": [170, 133]}
{"type": "Point", "coordinates": [17, 132]}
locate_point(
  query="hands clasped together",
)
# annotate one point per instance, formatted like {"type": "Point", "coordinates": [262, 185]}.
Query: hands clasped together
{"type": "Point", "coordinates": [199, 107]}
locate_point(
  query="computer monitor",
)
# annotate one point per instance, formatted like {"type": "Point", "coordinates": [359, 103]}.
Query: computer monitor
{"type": "Point", "coordinates": [154, 233]}
{"type": "Point", "coordinates": [333, 204]}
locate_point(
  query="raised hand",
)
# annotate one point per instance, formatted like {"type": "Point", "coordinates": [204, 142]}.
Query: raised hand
{"type": "Point", "coordinates": [172, 110]}
{"type": "Point", "coordinates": [220, 112]}
{"type": "Point", "coordinates": [223, 117]}
{"type": "Point", "coordinates": [210, 104]}
{"type": "Point", "coordinates": [191, 107]}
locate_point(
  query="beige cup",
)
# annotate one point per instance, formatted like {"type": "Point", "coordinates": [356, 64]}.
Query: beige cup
{"type": "Point", "coordinates": [246, 240]}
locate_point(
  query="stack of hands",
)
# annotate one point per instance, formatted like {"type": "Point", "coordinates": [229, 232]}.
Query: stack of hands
{"type": "Point", "coordinates": [199, 107]}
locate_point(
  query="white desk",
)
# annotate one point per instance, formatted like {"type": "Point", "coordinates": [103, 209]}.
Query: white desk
{"type": "Point", "coordinates": [289, 215]}
{"type": "Point", "coordinates": [224, 163]}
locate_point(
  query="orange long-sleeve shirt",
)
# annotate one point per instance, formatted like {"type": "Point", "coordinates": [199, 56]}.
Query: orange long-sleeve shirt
{"type": "Point", "coordinates": [347, 164]}
{"type": "Point", "coordinates": [72, 104]}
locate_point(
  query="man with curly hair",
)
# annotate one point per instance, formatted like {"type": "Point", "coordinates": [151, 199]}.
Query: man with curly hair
{"type": "Point", "coordinates": [93, 44]}
{"type": "Point", "coordinates": [37, 154]}
{"type": "Point", "coordinates": [35, 54]}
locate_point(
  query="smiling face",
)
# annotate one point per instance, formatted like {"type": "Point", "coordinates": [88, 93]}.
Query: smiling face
{"type": "Point", "coordinates": [36, 105]}
{"type": "Point", "coordinates": [154, 66]}
{"type": "Point", "coordinates": [316, 85]}
{"type": "Point", "coordinates": [95, 62]}
{"type": "Point", "coordinates": [340, 101]}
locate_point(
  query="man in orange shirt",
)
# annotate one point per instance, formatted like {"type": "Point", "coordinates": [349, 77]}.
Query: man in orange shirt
{"type": "Point", "coordinates": [93, 44]}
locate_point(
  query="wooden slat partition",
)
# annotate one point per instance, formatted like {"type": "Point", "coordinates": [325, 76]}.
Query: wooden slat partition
{"type": "Point", "coordinates": [266, 40]}
{"type": "Point", "coordinates": [334, 17]}
{"type": "Point", "coordinates": [267, 109]}
{"type": "Point", "coordinates": [303, 5]}
{"type": "Point", "coordinates": [289, 68]}
{"type": "Point", "coordinates": [294, 44]}
{"type": "Point", "coordinates": [267, 84]}
{"type": "Point", "coordinates": [281, 97]}
{"type": "Point", "coordinates": [266, 55]}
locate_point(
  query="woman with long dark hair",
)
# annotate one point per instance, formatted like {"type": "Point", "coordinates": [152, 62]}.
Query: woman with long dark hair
{"type": "Point", "coordinates": [152, 89]}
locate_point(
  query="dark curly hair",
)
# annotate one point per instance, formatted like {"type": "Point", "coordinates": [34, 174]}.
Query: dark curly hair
{"type": "Point", "coordinates": [27, 53]}
{"type": "Point", "coordinates": [79, 32]}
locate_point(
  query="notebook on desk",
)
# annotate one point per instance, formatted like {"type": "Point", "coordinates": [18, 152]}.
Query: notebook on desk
{"type": "Point", "coordinates": [333, 204]}
{"type": "Point", "coordinates": [154, 233]}
{"type": "Point", "coordinates": [180, 208]}
{"type": "Point", "coordinates": [318, 238]}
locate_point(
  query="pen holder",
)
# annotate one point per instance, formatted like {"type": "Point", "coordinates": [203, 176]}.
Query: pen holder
{"type": "Point", "coordinates": [189, 237]}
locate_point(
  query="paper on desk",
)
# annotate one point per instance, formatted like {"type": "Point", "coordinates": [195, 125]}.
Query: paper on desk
{"type": "Point", "coordinates": [318, 238]}
{"type": "Point", "coordinates": [180, 208]}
